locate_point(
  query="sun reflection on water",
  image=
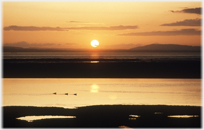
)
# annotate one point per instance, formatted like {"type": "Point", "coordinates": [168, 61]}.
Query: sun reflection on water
{"type": "Point", "coordinates": [113, 97]}
{"type": "Point", "coordinates": [94, 61]}
{"type": "Point", "coordinates": [94, 88]}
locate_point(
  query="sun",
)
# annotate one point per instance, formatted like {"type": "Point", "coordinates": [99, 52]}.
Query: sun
{"type": "Point", "coordinates": [94, 43]}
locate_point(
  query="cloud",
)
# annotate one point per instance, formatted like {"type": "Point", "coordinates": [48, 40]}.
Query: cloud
{"type": "Point", "coordinates": [34, 28]}
{"type": "Point", "coordinates": [18, 44]}
{"type": "Point", "coordinates": [74, 21]}
{"type": "Point", "coordinates": [33, 45]}
{"type": "Point", "coordinates": [187, 22]}
{"type": "Point", "coordinates": [84, 23]}
{"type": "Point", "coordinates": [165, 33]}
{"type": "Point", "coordinates": [120, 27]}
{"type": "Point", "coordinates": [189, 10]}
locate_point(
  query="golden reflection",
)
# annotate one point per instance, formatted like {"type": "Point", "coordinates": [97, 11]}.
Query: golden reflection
{"type": "Point", "coordinates": [183, 116]}
{"type": "Point", "coordinates": [113, 97]}
{"type": "Point", "coordinates": [134, 116]}
{"type": "Point", "coordinates": [94, 61]}
{"type": "Point", "coordinates": [39, 92]}
{"type": "Point", "coordinates": [94, 88]}
{"type": "Point", "coordinates": [32, 118]}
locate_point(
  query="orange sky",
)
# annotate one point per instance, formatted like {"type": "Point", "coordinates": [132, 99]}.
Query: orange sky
{"type": "Point", "coordinates": [116, 25]}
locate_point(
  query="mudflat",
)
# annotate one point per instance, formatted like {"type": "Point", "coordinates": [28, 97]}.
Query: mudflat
{"type": "Point", "coordinates": [105, 116]}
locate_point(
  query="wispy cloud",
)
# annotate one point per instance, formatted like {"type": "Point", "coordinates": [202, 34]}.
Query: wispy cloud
{"type": "Point", "coordinates": [120, 27]}
{"type": "Point", "coordinates": [33, 45]}
{"type": "Point", "coordinates": [189, 10]}
{"type": "Point", "coordinates": [74, 21]}
{"type": "Point", "coordinates": [165, 33]}
{"type": "Point", "coordinates": [187, 22]}
{"type": "Point", "coordinates": [35, 28]}
{"type": "Point", "coordinates": [84, 23]}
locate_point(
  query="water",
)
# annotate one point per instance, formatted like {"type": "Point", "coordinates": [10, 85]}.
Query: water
{"type": "Point", "coordinates": [32, 118]}
{"type": "Point", "coordinates": [101, 55]}
{"type": "Point", "coordinates": [39, 92]}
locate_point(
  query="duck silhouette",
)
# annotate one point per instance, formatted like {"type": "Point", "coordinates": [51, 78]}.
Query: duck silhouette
{"type": "Point", "coordinates": [75, 94]}
{"type": "Point", "coordinates": [66, 93]}
{"type": "Point", "coordinates": [55, 93]}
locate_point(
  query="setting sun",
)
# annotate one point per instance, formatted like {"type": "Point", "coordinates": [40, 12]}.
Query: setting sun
{"type": "Point", "coordinates": [102, 64]}
{"type": "Point", "coordinates": [94, 43]}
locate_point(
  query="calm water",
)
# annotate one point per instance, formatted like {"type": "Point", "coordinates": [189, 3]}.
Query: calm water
{"type": "Point", "coordinates": [101, 55]}
{"type": "Point", "coordinates": [39, 92]}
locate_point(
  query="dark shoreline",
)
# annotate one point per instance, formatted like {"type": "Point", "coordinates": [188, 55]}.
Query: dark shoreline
{"type": "Point", "coordinates": [105, 116]}
{"type": "Point", "coordinates": [101, 68]}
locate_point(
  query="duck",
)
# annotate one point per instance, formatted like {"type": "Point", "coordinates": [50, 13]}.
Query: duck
{"type": "Point", "coordinates": [75, 94]}
{"type": "Point", "coordinates": [55, 93]}
{"type": "Point", "coordinates": [66, 93]}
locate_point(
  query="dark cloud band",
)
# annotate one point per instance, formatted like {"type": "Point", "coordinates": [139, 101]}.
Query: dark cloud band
{"type": "Point", "coordinates": [165, 33]}
{"type": "Point", "coordinates": [189, 10]}
{"type": "Point", "coordinates": [34, 28]}
{"type": "Point", "coordinates": [120, 27]}
{"type": "Point", "coordinates": [187, 22]}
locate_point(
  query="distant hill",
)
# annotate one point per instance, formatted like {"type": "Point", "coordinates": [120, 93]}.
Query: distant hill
{"type": "Point", "coordinates": [151, 47]}
{"type": "Point", "coordinates": [20, 49]}
{"type": "Point", "coordinates": [166, 47]}
{"type": "Point", "coordinates": [11, 49]}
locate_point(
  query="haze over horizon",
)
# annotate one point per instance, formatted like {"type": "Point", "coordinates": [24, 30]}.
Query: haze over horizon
{"type": "Point", "coordinates": [101, 64]}
{"type": "Point", "coordinates": [150, 47]}
{"type": "Point", "coordinates": [116, 25]}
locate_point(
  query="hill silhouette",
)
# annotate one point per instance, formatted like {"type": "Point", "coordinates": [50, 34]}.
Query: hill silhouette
{"type": "Point", "coordinates": [151, 47]}
{"type": "Point", "coordinates": [20, 49]}
{"type": "Point", "coordinates": [166, 47]}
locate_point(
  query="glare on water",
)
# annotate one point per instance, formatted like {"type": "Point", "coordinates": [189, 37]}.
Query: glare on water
{"type": "Point", "coordinates": [40, 92]}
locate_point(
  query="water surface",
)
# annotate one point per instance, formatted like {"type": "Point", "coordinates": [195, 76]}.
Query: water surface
{"type": "Point", "coordinates": [101, 55]}
{"type": "Point", "coordinates": [40, 92]}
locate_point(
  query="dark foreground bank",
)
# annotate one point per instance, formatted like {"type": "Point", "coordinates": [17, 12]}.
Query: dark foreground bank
{"type": "Point", "coordinates": [105, 116]}
{"type": "Point", "coordinates": [100, 68]}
